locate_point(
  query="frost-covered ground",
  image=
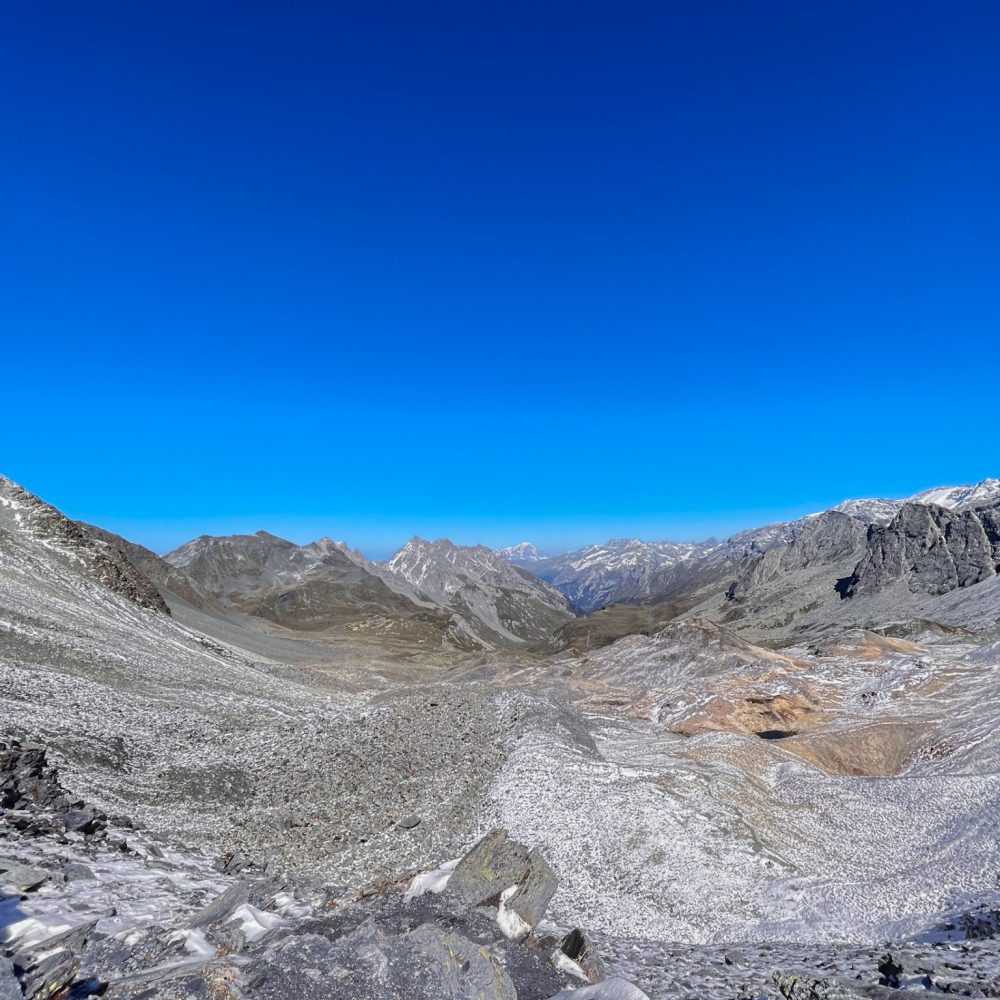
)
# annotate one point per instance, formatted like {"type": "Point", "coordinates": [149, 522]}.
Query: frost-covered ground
{"type": "Point", "coordinates": [707, 839]}
{"type": "Point", "coordinates": [876, 821]}
{"type": "Point", "coordinates": [871, 813]}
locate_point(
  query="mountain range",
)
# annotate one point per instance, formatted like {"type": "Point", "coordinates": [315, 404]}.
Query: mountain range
{"type": "Point", "coordinates": [636, 571]}
{"type": "Point", "coordinates": [254, 768]}
{"type": "Point", "coordinates": [818, 569]}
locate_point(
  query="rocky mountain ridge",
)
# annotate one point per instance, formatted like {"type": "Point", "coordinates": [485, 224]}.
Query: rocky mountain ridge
{"type": "Point", "coordinates": [315, 586]}
{"type": "Point", "coordinates": [932, 549]}
{"type": "Point", "coordinates": [623, 569]}
{"type": "Point", "coordinates": [633, 571]}
{"type": "Point", "coordinates": [524, 553]}
{"type": "Point", "coordinates": [23, 515]}
{"type": "Point", "coordinates": [470, 594]}
{"type": "Point", "coordinates": [495, 599]}
{"type": "Point", "coordinates": [785, 574]}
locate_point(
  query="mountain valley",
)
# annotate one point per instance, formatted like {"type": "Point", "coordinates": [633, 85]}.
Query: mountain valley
{"type": "Point", "coordinates": [721, 766]}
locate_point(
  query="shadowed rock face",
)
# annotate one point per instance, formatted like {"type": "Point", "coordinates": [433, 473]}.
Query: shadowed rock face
{"type": "Point", "coordinates": [157, 570]}
{"type": "Point", "coordinates": [933, 549]}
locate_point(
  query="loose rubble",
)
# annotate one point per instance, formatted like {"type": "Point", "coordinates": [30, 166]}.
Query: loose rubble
{"type": "Point", "coordinates": [231, 928]}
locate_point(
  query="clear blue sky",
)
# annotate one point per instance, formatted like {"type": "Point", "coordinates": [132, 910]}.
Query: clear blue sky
{"type": "Point", "coordinates": [558, 271]}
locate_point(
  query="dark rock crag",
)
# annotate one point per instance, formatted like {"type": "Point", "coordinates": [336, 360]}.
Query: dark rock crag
{"type": "Point", "coordinates": [932, 549]}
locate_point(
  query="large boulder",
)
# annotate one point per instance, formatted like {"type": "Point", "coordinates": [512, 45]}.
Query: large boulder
{"type": "Point", "coordinates": [494, 864]}
{"type": "Point", "coordinates": [530, 899]}
{"type": "Point", "coordinates": [49, 968]}
{"type": "Point", "coordinates": [580, 950]}
{"type": "Point", "coordinates": [387, 946]}
{"type": "Point", "coordinates": [27, 781]}
{"type": "Point", "coordinates": [10, 988]}
{"type": "Point", "coordinates": [501, 872]}
{"type": "Point", "coordinates": [459, 969]}
{"type": "Point", "coordinates": [21, 878]}
{"type": "Point", "coordinates": [808, 986]}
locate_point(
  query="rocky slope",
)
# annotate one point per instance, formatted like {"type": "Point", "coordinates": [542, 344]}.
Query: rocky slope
{"type": "Point", "coordinates": [620, 570]}
{"type": "Point", "coordinates": [862, 563]}
{"type": "Point", "coordinates": [783, 792]}
{"type": "Point", "coordinates": [826, 543]}
{"type": "Point", "coordinates": [466, 598]}
{"type": "Point", "coordinates": [987, 491]}
{"type": "Point", "coordinates": [304, 587]}
{"type": "Point", "coordinates": [26, 522]}
{"type": "Point", "coordinates": [167, 579]}
{"type": "Point", "coordinates": [835, 573]}
{"type": "Point", "coordinates": [498, 603]}
{"type": "Point", "coordinates": [736, 783]}
{"type": "Point", "coordinates": [97, 908]}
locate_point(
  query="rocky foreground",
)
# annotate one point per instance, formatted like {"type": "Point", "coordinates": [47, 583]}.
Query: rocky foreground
{"type": "Point", "coordinates": [92, 906]}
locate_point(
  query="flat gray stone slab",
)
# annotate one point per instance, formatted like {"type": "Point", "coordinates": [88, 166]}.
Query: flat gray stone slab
{"type": "Point", "coordinates": [23, 878]}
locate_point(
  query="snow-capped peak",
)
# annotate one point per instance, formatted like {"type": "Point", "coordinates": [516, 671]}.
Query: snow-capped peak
{"type": "Point", "coordinates": [523, 552]}
{"type": "Point", "coordinates": [985, 491]}
{"type": "Point", "coordinates": [882, 511]}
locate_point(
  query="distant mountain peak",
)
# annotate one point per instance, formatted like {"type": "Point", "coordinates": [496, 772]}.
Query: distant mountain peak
{"type": "Point", "coordinates": [523, 553]}
{"type": "Point", "coordinates": [496, 601]}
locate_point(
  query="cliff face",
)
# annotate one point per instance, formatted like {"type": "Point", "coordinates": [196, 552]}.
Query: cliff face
{"type": "Point", "coordinates": [935, 550]}
{"type": "Point", "coordinates": [825, 541]}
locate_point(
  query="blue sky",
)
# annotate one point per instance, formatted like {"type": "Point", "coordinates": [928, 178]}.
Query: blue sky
{"type": "Point", "coordinates": [556, 271]}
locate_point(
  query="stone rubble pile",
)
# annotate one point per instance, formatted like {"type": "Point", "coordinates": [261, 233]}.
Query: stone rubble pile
{"type": "Point", "coordinates": [475, 934]}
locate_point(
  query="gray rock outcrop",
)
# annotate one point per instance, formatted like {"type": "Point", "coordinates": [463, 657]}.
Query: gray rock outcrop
{"type": "Point", "coordinates": [497, 864]}
{"type": "Point", "coordinates": [28, 520]}
{"type": "Point", "coordinates": [932, 549]}
{"type": "Point", "coordinates": [824, 540]}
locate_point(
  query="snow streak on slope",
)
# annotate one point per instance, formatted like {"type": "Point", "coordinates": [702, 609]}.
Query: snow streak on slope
{"type": "Point", "coordinates": [986, 491]}
{"type": "Point", "coordinates": [875, 511]}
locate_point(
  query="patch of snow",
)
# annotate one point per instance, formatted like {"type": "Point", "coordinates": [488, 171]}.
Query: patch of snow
{"type": "Point", "coordinates": [288, 906]}
{"type": "Point", "coordinates": [510, 922]}
{"type": "Point", "coordinates": [564, 963]}
{"type": "Point", "coordinates": [195, 942]}
{"type": "Point", "coordinates": [255, 923]}
{"type": "Point", "coordinates": [432, 881]}
{"type": "Point", "coordinates": [33, 930]}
